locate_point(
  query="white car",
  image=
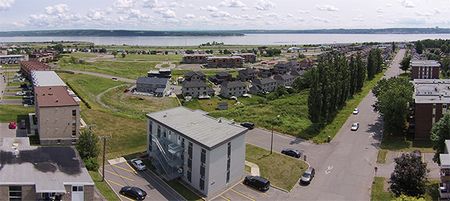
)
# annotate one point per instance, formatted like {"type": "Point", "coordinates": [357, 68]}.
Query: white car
{"type": "Point", "coordinates": [356, 111]}
{"type": "Point", "coordinates": [20, 93]}
{"type": "Point", "coordinates": [355, 126]}
{"type": "Point", "coordinates": [138, 164]}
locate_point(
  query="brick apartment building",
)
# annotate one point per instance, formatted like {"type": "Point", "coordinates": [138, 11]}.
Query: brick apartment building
{"type": "Point", "coordinates": [432, 98]}
{"type": "Point", "coordinates": [195, 58]}
{"type": "Point", "coordinates": [57, 114]}
{"type": "Point", "coordinates": [44, 57]}
{"type": "Point", "coordinates": [425, 69]}
{"type": "Point", "coordinates": [248, 57]}
{"type": "Point", "coordinates": [225, 62]}
{"type": "Point", "coordinates": [26, 67]}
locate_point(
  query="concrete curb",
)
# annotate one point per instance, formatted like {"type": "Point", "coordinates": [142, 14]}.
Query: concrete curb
{"type": "Point", "coordinates": [254, 168]}
{"type": "Point", "coordinates": [109, 185]}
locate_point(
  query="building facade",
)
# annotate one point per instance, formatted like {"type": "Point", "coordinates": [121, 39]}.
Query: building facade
{"type": "Point", "coordinates": [233, 88]}
{"type": "Point", "coordinates": [58, 115]}
{"type": "Point", "coordinates": [26, 67]}
{"type": "Point", "coordinates": [284, 80]}
{"type": "Point", "coordinates": [263, 85]}
{"type": "Point", "coordinates": [432, 99]}
{"type": "Point", "coordinates": [248, 57]}
{"type": "Point", "coordinates": [12, 59]}
{"type": "Point", "coordinates": [195, 58]}
{"type": "Point", "coordinates": [247, 74]}
{"type": "Point", "coordinates": [444, 186]}
{"type": "Point", "coordinates": [206, 153]}
{"type": "Point", "coordinates": [153, 85]}
{"type": "Point", "coordinates": [225, 62]}
{"type": "Point", "coordinates": [425, 69]}
{"type": "Point", "coordinates": [196, 89]}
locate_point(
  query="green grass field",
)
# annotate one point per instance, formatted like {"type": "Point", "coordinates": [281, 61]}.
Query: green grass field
{"type": "Point", "coordinates": [149, 57]}
{"type": "Point", "coordinates": [378, 192]}
{"type": "Point", "coordinates": [381, 157]}
{"type": "Point", "coordinates": [283, 173]}
{"type": "Point", "coordinates": [405, 144]}
{"type": "Point", "coordinates": [103, 187]}
{"type": "Point", "coordinates": [13, 112]}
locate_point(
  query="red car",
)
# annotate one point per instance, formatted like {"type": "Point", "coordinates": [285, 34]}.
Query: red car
{"type": "Point", "coordinates": [12, 125]}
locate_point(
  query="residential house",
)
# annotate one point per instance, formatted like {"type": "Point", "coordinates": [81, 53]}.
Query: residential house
{"type": "Point", "coordinates": [196, 89]}
{"type": "Point", "coordinates": [43, 57]}
{"type": "Point", "coordinates": [195, 58]}
{"type": "Point", "coordinates": [431, 101]}
{"type": "Point", "coordinates": [297, 73]}
{"type": "Point", "coordinates": [247, 74]}
{"type": "Point", "coordinates": [42, 173]}
{"type": "Point", "coordinates": [265, 72]}
{"type": "Point", "coordinates": [306, 64]}
{"type": "Point", "coordinates": [225, 62]}
{"type": "Point", "coordinates": [285, 80]}
{"type": "Point", "coordinates": [282, 67]}
{"type": "Point", "coordinates": [425, 69]}
{"type": "Point", "coordinates": [194, 76]}
{"type": "Point", "coordinates": [263, 85]}
{"type": "Point", "coordinates": [58, 115]}
{"type": "Point", "coordinates": [248, 57]}
{"type": "Point", "coordinates": [220, 77]}
{"type": "Point", "coordinates": [206, 153]}
{"type": "Point", "coordinates": [158, 86]}
{"type": "Point", "coordinates": [233, 88]}
{"type": "Point", "coordinates": [161, 73]}
{"type": "Point", "coordinates": [12, 59]}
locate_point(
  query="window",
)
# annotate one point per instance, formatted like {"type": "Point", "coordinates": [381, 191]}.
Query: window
{"type": "Point", "coordinates": [58, 141]}
{"type": "Point", "coordinates": [15, 193]}
{"type": "Point", "coordinates": [228, 176]}
{"type": "Point", "coordinates": [229, 149]}
{"type": "Point", "coordinates": [74, 133]}
{"type": "Point", "coordinates": [203, 156]}
{"type": "Point", "coordinates": [202, 184]}
{"type": "Point", "coordinates": [190, 150]}
{"type": "Point", "coordinates": [77, 188]}
{"type": "Point", "coordinates": [202, 171]}
{"type": "Point", "coordinates": [74, 112]}
{"type": "Point", "coordinates": [189, 175]}
{"type": "Point", "coordinates": [159, 131]}
{"type": "Point", "coordinates": [189, 163]}
{"type": "Point", "coordinates": [228, 161]}
{"type": "Point", "coordinates": [150, 127]}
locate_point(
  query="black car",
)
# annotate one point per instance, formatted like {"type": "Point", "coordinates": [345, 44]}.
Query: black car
{"type": "Point", "coordinates": [292, 153]}
{"type": "Point", "coordinates": [257, 182]}
{"type": "Point", "coordinates": [248, 125]}
{"type": "Point", "coordinates": [133, 192]}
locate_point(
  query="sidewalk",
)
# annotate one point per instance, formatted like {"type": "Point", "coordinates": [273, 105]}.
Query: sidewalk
{"type": "Point", "coordinates": [254, 169]}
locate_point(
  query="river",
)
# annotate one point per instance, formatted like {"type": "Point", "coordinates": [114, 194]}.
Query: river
{"type": "Point", "coordinates": [249, 39]}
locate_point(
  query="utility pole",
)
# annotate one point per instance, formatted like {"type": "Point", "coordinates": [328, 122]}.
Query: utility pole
{"type": "Point", "coordinates": [104, 153]}
{"type": "Point", "coordinates": [271, 138]}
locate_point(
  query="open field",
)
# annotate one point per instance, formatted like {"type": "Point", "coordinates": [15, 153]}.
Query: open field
{"type": "Point", "coordinates": [380, 194]}
{"type": "Point", "coordinates": [284, 173]}
{"type": "Point", "coordinates": [12, 112]}
{"type": "Point", "coordinates": [150, 57]}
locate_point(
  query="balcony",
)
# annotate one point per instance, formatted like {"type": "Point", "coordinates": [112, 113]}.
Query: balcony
{"type": "Point", "coordinates": [168, 155]}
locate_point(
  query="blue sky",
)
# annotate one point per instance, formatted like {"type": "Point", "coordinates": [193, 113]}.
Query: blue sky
{"type": "Point", "coordinates": [221, 14]}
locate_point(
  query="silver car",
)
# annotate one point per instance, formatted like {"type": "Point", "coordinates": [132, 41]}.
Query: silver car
{"type": "Point", "coordinates": [308, 175]}
{"type": "Point", "coordinates": [138, 164]}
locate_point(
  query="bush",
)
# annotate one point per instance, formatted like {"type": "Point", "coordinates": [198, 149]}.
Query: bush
{"type": "Point", "coordinates": [91, 164]}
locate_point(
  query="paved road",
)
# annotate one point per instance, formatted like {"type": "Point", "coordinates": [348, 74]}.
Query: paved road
{"type": "Point", "coordinates": [103, 76]}
{"type": "Point", "coordinates": [344, 167]}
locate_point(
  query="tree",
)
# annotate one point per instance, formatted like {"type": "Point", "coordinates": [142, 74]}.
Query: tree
{"type": "Point", "coordinates": [361, 72]}
{"type": "Point", "coordinates": [87, 147]}
{"type": "Point", "coordinates": [404, 64]}
{"type": "Point", "coordinates": [303, 82]}
{"type": "Point", "coordinates": [59, 47]}
{"type": "Point", "coordinates": [419, 47]}
{"type": "Point", "coordinates": [445, 66]}
{"type": "Point", "coordinates": [114, 53]}
{"type": "Point", "coordinates": [123, 55]}
{"type": "Point", "coordinates": [374, 62]}
{"type": "Point", "coordinates": [394, 46]}
{"type": "Point", "coordinates": [393, 96]}
{"type": "Point", "coordinates": [439, 133]}
{"type": "Point", "coordinates": [409, 176]}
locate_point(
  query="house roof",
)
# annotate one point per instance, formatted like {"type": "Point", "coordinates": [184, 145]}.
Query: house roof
{"type": "Point", "coordinates": [283, 77]}
{"type": "Point", "coordinates": [224, 57]}
{"type": "Point", "coordinates": [233, 84]}
{"type": "Point", "coordinates": [192, 73]}
{"type": "Point", "coordinates": [263, 81]}
{"type": "Point", "coordinates": [46, 78]}
{"type": "Point", "coordinates": [29, 66]}
{"type": "Point", "coordinates": [54, 96]}
{"type": "Point", "coordinates": [12, 55]}
{"type": "Point", "coordinates": [48, 168]}
{"type": "Point", "coordinates": [247, 71]}
{"type": "Point", "coordinates": [425, 63]}
{"type": "Point", "coordinates": [223, 74]}
{"type": "Point", "coordinates": [152, 80]}
{"type": "Point", "coordinates": [196, 83]}
{"type": "Point", "coordinates": [198, 126]}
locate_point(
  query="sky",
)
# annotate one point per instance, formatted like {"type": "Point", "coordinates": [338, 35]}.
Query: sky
{"type": "Point", "coordinates": [221, 14]}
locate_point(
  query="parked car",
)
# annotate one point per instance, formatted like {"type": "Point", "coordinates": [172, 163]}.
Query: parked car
{"type": "Point", "coordinates": [22, 124]}
{"type": "Point", "coordinates": [133, 192]}
{"type": "Point", "coordinates": [257, 182]}
{"type": "Point", "coordinates": [355, 126]}
{"type": "Point", "coordinates": [20, 93]}
{"type": "Point", "coordinates": [308, 175]}
{"type": "Point", "coordinates": [114, 78]}
{"type": "Point", "coordinates": [292, 152]}
{"type": "Point", "coordinates": [138, 164]}
{"type": "Point", "coordinates": [12, 125]}
{"type": "Point", "coordinates": [248, 125]}
{"type": "Point", "coordinates": [356, 111]}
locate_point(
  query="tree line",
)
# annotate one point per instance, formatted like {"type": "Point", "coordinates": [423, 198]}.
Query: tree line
{"type": "Point", "coordinates": [332, 82]}
{"type": "Point", "coordinates": [374, 63]}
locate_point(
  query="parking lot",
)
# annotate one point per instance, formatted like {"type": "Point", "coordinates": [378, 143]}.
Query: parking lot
{"type": "Point", "coordinates": [120, 174]}
{"type": "Point", "coordinates": [243, 192]}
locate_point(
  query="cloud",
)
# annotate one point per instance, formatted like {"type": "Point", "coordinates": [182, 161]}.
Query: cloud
{"type": "Point", "coordinates": [232, 4]}
{"type": "Point", "coordinates": [6, 4]}
{"type": "Point", "coordinates": [151, 4]}
{"type": "Point", "coordinates": [209, 8]}
{"type": "Point", "coordinates": [166, 12]}
{"type": "Point", "coordinates": [379, 10]}
{"type": "Point", "coordinates": [319, 19]}
{"type": "Point", "coordinates": [264, 5]}
{"type": "Point", "coordinates": [123, 4]}
{"type": "Point", "coordinates": [96, 15]}
{"type": "Point", "coordinates": [189, 16]}
{"type": "Point", "coordinates": [57, 9]}
{"type": "Point", "coordinates": [328, 8]}
{"type": "Point", "coordinates": [304, 11]}
{"type": "Point", "coordinates": [220, 14]}
{"type": "Point", "coordinates": [408, 4]}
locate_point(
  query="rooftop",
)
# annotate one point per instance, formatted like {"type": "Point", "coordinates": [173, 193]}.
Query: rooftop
{"type": "Point", "coordinates": [196, 83]}
{"type": "Point", "coordinates": [48, 168]}
{"type": "Point", "coordinates": [29, 66]}
{"type": "Point", "coordinates": [423, 63]}
{"type": "Point", "coordinates": [233, 84]}
{"type": "Point", "coordinates": [152, 80]}
{"type": "Point", "coordinates": [11, 55]}
{"type": "Point", "coordinates": [54, 96]}
{"type": "Point", "coordinates": [198, 126]}
{"type": "Point", "coordinates": [46, 78]}
{"type": "Point", "coordinates": [225, 57]}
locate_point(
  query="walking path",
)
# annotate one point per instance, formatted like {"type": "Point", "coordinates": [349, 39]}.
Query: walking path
{"type": "Point", "coordinates": [254, 169]}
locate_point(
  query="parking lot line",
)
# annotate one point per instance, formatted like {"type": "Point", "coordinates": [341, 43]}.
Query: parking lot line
{"type": "Point", "coordinates": [228, 199]}
{"type": "Point", "coordinates": [254, 190]}
{"type": "Point", "coordinates": [115, 183]}
{"type": "Point", "coordinates": [243, 195]}
{"type": "Point", "coordinates": [132, 170]}
{"type": "Point", "coordinates": [121, 176]}
{"type": "Point", "coordinates": [126, 197]}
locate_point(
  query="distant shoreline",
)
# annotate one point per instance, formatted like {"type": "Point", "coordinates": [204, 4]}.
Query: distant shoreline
{"type": "Point", "coordinates": [221, 33]}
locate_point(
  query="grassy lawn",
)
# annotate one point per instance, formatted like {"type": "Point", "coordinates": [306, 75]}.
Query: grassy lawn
{"type": "Point", "coordinates": [150, 57]}
{"type": "Point", "coordinates": [248, 169]}
{"type": "Point", "coordinates": [379, 194]}
{"type": "Point", "coordinates": [12, 97]}
{"type": "Point", "coordinates": [13, 112]}
{"type": "Point", "coordinates": [182, 190]}
{"type": "Point", "coordinates": [284, 173]}
{"type": "Point", "coordinates": [381, 157]}
{"type": "Point", "coordinates": [103, 187]}
{"type": "Point", "coordinates": [208, 105]}
{"type": "Point", "coordinates": [405, 144]}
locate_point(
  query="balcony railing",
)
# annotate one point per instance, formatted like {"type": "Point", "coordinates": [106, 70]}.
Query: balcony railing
{"type": "Point", "coordinates": [169, 163]}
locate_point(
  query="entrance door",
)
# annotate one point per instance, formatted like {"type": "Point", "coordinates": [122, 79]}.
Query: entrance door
{"type": "Point", "coordinates": [77, 193]}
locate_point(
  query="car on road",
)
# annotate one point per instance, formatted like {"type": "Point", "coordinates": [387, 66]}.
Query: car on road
{"type": "Point", "coordinates": [257, 182]}
{"type": "Point", "coordinates": [356, 111]}
{"type": "Point", "coordinates": [355, 126]}
{"type": "Point", "coordinates": [114, 78]}
{"type": "Point", "coordinates": [248, 125]}
{"type": "Point", "coordinates": [292, 152]}
{"type": "Point", "coordinates": [138, 164]}
{"type": "Point", "coordinates": [308, 175]}
{"type": "Point", "coordinates": [12, 125]}
{"type": "Point", "coordinates": [133, 192]}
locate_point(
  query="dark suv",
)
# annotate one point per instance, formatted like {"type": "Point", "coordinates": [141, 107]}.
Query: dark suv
{"type": "Point", "coordinates": [257, 182]}
{"type": "Point", "coordinates": [248, 125]}
{"type": "Point", "coordinates": [292, 152]}
{"type": "Point", "coordinates": [133, 192]}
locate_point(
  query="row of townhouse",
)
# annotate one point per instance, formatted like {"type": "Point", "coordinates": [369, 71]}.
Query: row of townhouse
{"type": "Point", "coordinates": [233, 61]}
{"type": "Point", "coordinates": [157, 83]}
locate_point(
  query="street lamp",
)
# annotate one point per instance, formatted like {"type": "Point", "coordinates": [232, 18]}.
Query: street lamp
{"type": "Point", "coordinates": [271, 139]}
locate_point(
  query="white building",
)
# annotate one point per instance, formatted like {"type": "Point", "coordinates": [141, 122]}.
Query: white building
{"type": "Point", "coordinates": [205, 152]}
{"type": "Point", "coordinates": [46, 79]}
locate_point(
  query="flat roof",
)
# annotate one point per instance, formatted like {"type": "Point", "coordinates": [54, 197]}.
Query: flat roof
{"type": "Point", "coordinates": [54, 96]}
{"type": "Point", "coordinates": [46, 78]}
{"type": "Point", "coordinates": [427, 63]}
{"type": "Point", "coordinates": [198, 125]}
{"type": "Point", "coordinates": [48, 168]}
{"type": "Point", "coordinates": [11, 55]}
{"type": "Point", "coordinates": [432, 90]}
{"type": "Point", "coordinates": [225, 57]}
